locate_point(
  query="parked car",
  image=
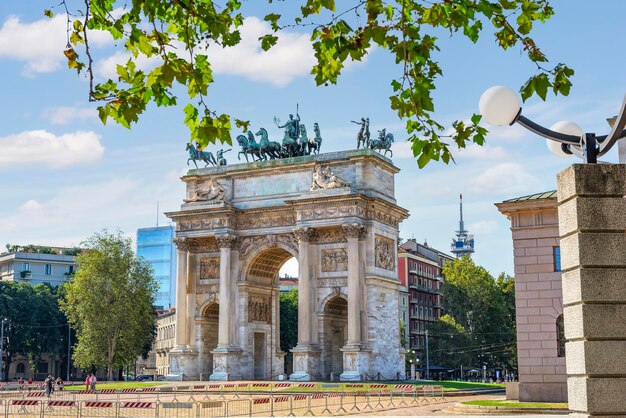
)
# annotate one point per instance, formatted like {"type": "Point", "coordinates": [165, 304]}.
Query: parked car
{"type": "Point", "coordinates": [144, 378]}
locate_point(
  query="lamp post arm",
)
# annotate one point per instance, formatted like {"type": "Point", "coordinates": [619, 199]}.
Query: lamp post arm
{"type": "Point", "coordinates": [547, 133]}
{"type": "Point", "coordinates": [617, 131]}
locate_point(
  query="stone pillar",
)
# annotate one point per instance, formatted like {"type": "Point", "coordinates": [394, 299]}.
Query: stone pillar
{"type": "Point", "coordinates": [592, 224]}
{"type": "Point", "coordinates": [182, 360]}
{"type": "Point", "coordinates": [305, 355]}
{"type": "Point", "coordinates": [355, 360]}
{"type": "Point", "coordinates": [225, 355]}
{"type": "Point", "coordinates": [191, 302]}
{"type": "Point", "coordinates": [181, 295]}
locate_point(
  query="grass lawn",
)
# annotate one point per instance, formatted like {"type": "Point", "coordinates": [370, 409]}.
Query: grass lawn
{"type": "Point", "coordinates": [117, 385]}
{"type": "Point", "coordinates": [517, 404]}
{"type": "Point", "coordinates": [454, 385]}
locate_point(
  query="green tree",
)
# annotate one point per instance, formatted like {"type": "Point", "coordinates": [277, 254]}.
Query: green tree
{"type": "Point", "coordinates": [175, 36]}
{"type": "Point", "coordinates": [480, 321]}
{"type": "Point", "coordinates": [288, 320]}
{"type": "Point", "coordinates": [110, 303]}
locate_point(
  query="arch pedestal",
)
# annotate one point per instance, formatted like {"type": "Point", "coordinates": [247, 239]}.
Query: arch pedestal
{"type": "Point", "coordinates": [230, 252]}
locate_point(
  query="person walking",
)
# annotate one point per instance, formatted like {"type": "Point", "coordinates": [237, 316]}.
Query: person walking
{"type": "Point", "coordinates": [49, 385]}
{"type": "Point", "coordinates": [88, 381]}
{"type": "Point", "coordinates": [93, 382]}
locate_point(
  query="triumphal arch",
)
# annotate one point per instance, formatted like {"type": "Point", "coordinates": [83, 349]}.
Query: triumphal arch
{"type": "Point", "coordinates": [336, 213]}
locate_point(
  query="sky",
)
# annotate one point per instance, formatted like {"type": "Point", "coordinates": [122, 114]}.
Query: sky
{"type": "Point", "coordinates": [64, 175]}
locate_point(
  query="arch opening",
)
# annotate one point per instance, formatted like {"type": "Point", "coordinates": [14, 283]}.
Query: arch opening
{"type": "Point", "coordinates": [334, 336]}
{"type": "Point", "coordinates": [272, 314]}
{"type": "Point", "coordinates": [209, 325]}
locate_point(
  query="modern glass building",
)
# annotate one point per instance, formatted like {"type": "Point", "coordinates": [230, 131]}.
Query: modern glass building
{"type": "Point", "coordinates": [156, 246]}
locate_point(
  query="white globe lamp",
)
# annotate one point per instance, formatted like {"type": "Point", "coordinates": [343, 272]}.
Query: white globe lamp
{"type": "Point", "coordinates": [499, 105]}
{"type": "Point", "coordinates": [563, 127]}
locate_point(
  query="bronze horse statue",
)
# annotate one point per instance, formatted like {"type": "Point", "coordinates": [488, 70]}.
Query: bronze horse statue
{"type": "Point", "coordinates": [195, 154]}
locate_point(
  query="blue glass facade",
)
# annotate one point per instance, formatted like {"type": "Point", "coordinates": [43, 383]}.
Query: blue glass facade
{"type": "Point", "coordinates": [157, 247]}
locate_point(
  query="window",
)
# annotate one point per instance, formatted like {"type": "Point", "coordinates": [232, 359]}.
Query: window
{"type": "Point", "coordinates": [560, 336]}
{"type": "Point", "coordinates": [47, 269]}
{"type": "Point", "coordinates": [556, 252]}
{"type": "Point", "coordinates": [20, 368]}
{"type": "Point", "coordinates": [42, 367]}
{"type": "Point", "coordinates": [25, 266]}
{"type": "Point", "coordinates": [69, 270]}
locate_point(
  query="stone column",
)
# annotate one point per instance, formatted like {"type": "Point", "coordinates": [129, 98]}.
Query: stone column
{"type": "Point", "coordinates": [181, 295]}
{"type": "Point", "coordinates": [182, 360]}
{"type": "Point", "coordinates": [592, 224]}
{"type": "Point", "coordinates": [352, 233]}
{"type": "Point", "coordinates": [305, 355]}
{"type": "Point", "coordinates": [191, 301]}
{"type": "Point", "coordinates": [354, 360]}
{"type": "Point", "coordinates": [225, 355]}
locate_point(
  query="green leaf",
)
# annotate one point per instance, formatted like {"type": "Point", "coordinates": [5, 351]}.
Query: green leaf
{"type": "Point", "coordinates": [268, 41]}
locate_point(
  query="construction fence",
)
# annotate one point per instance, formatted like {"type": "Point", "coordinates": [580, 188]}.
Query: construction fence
{"type": "Point", "coordinates": [199, 404]}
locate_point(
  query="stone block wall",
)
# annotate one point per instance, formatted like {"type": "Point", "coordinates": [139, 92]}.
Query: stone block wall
{"type": "Point", "coordinates": [538, 297]}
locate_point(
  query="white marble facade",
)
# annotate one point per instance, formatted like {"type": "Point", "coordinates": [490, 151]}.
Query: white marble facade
{"type": "Point", "coordinates": [231, 248]}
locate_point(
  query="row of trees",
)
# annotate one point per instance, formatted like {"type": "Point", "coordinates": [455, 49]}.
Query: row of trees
{"type": "Point", "coordinates": [109, 304]}
{"type": "Point", "coordinates": [34, 324]}
{"type": "Point", "coordinates": [478, 326]}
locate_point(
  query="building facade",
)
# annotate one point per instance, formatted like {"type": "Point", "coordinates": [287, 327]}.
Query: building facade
{"type": "Point", "coordinates": [55, 266]}
{"type": "Point", "coordinates": [335, 213]}
{"type": "Point", "coordinates": [420, 268]}
{"type": "Point", "coordinates": [538, 297]}
{"type": "Point", "coordinates": [157, 247]}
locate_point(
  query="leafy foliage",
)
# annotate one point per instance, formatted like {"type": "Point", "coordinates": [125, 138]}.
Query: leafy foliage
{"type": "Point", "coordinates": [34, 324]}
{"type": "Point", "coordinates": [175, 36]}
{"type": "Point", "coordinates": [288, 320]}
{"type": "Point", "coordinates": [110, 303]}
{"type": "Point", "coordinates": [479, 325]}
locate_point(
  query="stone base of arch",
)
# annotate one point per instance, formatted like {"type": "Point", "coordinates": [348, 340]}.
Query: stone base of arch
{"type": "Point", "coordinates": [356, 364]}
{"type": "Point", "coordinates": [306, 363]}
{"type": "Point", "coordinates": [184, 362]}
{"type": "Point", "coordinates": [226, 364]}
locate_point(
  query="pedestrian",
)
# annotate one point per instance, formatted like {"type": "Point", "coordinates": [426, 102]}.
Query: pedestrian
{"type": "Point", "coordinates": [88, 381]}
{"type": "Point", "coordinates": [49, 385]}
{"type": "Point", "coordinates": [30, 380]}
{"type": "Point", "coordinates": [59, 383]}
{"type": "Point", "coordinates": [93, 382]}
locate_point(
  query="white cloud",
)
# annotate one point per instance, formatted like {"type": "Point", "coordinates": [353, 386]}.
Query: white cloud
{"type": "Point", "coordinates": [65, 114]}
{"type": "Point", "coordinates": [42, 147]}
{"type": "Point", "coordinates": [31, 205]}
{"type": "Point", "coordinates": [485, 152]}
{"type": "Point", "coordinates": [483, 227]}
{"type": "Point", "coordinates": [505, 178]}
{"type": "Point", "coordinates": [402, 149]}
{"type": "Point", "coordinates": [291, 57]}
{"type": "Point", "coordinates": [40, 44]}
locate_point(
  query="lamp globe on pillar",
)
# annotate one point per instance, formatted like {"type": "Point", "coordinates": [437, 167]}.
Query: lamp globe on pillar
{"type": "Point", "coordinates": [499, 106]}
{"type": "Point", "coordinates": [567, 128]}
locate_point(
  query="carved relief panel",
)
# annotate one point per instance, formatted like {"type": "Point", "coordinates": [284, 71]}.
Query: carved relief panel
{"type": "Point", "coordinates": [259, 309]}
{"type": "Point", "coordinates": [209, 268]}
{"type": "Point", "coordinates": [384, 253]}
{"type": "Point", "coordinates": [334, 260]}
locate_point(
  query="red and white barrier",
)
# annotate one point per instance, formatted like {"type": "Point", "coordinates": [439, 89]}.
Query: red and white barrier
{"type": "Point", "coordinates": [62, 403]}
{"type": "Point", "coordinates": [260, 401]}
{"type": "Point", "coordinates": [24, 402]}
{"type": "Point", "coordinates": [97, 404]}
{"type": "Point", "coordinates": [306, 385]}
{"type": "Point", "coordinates": [142, 405]}
{"type": "Point", "coordinates": [281, 399]}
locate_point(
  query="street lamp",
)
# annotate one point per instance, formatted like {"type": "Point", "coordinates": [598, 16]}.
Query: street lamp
{"type": "Point", "coordinates": [500, 106]}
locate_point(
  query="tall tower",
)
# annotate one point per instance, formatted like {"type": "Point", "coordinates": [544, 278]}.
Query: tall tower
{"type": "Point", "coordinates": [464, 242]}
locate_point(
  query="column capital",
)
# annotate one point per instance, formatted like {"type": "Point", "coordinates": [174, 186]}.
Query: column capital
{"type": "Point", "coordinates": [305, 234]}
{"type": "Point", "coordinates": [226, 240]}
{"type": "Point", "coordinates": [181, 243]}
{"type": "Point", "coordinates": [354, 230]}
